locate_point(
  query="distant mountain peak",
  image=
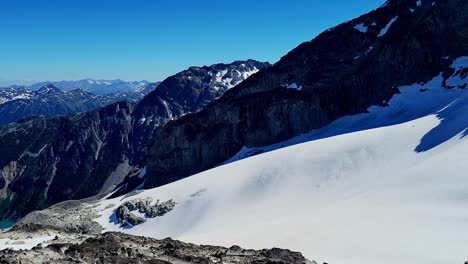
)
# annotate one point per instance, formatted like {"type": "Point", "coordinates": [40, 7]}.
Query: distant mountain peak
{"type": "Point", "coordinates": [49, 88]}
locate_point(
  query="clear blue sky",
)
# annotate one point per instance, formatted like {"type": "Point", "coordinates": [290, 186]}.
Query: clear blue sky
{"type": "Point", "coordinates": [152, 39]}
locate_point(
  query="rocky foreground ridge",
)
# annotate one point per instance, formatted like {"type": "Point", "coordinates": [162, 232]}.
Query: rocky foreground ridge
{"type": "Point", "coordinates": [120, 248]}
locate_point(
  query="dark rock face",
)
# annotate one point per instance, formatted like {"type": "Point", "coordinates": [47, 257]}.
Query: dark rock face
{"type": "Point", "coordinates": [18, 103]}
{"type": "Point", "coordinates": [341, 72]}
{"type": "Point", "coordinates": [45, 160]}
{"type": "Point", "coordinates": [48, 160]}
{"type": "Point", "coordinates": [120, 248]}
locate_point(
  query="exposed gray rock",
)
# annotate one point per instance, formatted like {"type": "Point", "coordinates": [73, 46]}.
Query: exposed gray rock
{"type": "Point", "coordinates": [120, 248]}
{"type": "Point", "coordinates": [144, 206]}
{"type": "Point", "coordinates": [76, 217]}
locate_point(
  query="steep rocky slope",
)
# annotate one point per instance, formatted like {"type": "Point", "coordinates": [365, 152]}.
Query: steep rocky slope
{"type": "Point", "coordinates": [45, 160]}
{"type": "Point", "coordinates": [341, 72]}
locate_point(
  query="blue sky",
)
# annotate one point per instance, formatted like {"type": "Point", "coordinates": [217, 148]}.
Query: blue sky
{"type": "Point", "coordinates": [152, 39]}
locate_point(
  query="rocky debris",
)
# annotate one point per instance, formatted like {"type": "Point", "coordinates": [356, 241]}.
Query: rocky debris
{"type": "Point", "coordinates": [145, 207]}
{"type": "Point", "coordinates": [120, 248]}
{"type": "Point", "coordinates": [31, 235]}
{"type": "Point", "coordinates": [74, 217]}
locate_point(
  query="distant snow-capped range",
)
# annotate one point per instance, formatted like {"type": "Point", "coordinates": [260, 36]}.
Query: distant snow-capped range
{"type": "Point", "coordinates": [89, 85]}
{"type": "Point", "coordinates": [18, 102]}
{"type": "Point", "coordinates": [96, 86]}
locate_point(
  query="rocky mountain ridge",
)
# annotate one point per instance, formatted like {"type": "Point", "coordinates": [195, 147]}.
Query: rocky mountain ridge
{"type": "Point", "coordinates": [120, 248]}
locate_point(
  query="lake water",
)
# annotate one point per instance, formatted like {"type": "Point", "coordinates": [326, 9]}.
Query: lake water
{"type": "Point", "coordinates": [6, 224]}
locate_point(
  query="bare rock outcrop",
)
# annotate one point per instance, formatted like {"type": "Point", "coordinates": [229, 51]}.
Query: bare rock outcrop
{"type": "Point", "coordinates": [121, 248]}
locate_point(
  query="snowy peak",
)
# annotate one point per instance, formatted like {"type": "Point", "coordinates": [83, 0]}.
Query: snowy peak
{"type": "Point", "coordinates": [192, 89]}
{"type": "Point", "coordinates": [48, 89]}
{"type": "Point", "coordinates": [227, 76]}
{"type": "Point", "coordinates": [221, 77]}
{"type": "Point", "coordinates": [186, 92]}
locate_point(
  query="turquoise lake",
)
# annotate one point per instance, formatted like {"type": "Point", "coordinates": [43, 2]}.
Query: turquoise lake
{"type": "Point", "coordinates": [6, 224]}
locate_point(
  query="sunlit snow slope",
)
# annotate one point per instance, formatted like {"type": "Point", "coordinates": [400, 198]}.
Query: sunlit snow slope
{"type": "Point", "coordinates": [388, 186]}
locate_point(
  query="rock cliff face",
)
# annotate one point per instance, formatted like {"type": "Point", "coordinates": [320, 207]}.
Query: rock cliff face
{"type": "Point", "coordinates": [45, 160]}
{"type": "Point", "coordinates": [341, 72]}
{"type": "Point", "coordinates": [62, 158]}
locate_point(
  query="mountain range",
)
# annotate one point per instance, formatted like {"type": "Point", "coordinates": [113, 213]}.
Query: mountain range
{"type": "Point", "coordinates": [46, 160]}
{"type": "Point", "coordinates": [21, 102]}
{"type": "Point", "coordinates": [96, 86]}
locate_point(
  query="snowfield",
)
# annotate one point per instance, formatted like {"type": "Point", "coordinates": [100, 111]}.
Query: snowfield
{"type": "Point", "coordinates": [388, 186]}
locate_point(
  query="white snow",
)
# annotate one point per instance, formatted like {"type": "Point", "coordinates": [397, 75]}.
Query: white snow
{"type": "Point", "coordinates": [142, 173]}
{"type": "Point", "coordinates": [23, 244]}
{"type": "Point", "coordinates": [458, 65]}
{"type": "Point", "coordinates": [361, 27]}
{"type": "Point", "coordinates": [248, 73]}
{"type": "Point", "coordinates": [294, 86]}
{"type": "Point", "coordinates": [388, 186]}
{"type": "Point", "coordinates": [228, 82]}
{"type": "Point", "coordinates": [385, 29]}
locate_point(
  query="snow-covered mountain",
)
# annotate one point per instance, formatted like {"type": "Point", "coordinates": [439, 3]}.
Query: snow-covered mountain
{"type": "Point", "coordinates": [186, 92]}
{"type": "Point", "coordinates": [97, 86]}
{"type": "Point", "coordinates": [386, 186]}
{"type": "Point", "coordinates": [14, 93]}
{"type": "Point", "coordinates": [343, 71]}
